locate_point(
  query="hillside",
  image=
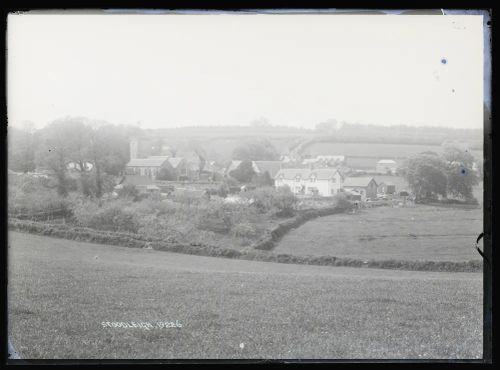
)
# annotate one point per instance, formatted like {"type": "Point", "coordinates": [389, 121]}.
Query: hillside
{"type": "Point", "coordinates": [377, 141]}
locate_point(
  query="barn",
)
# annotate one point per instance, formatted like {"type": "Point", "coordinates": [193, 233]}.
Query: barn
{"type": "Point", "coordinates": [366, 186]}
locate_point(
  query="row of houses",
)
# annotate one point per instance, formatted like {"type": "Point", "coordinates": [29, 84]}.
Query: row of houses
{"type": "Point", "coordinates": [320, 175]}
{"type": "Point", "coordinates": [325, 182]}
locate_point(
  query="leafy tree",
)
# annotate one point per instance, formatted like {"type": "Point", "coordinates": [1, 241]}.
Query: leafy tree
{"type": "Point", "coordinates": [57, 149]}
{"type": "Point", "coordinates": [261, 122]}
{"type": "Point", "coordinates": [263, 179]}
{"type": "Point", "coordinates": [327, 127]}
{"type": "Point", "coordinates": [426, 175]}
{"type": "Point", "coordinates": [244, 172]}
{"type": "Point", "coordinates": [256, 150]}
{"type": "Point", "coordinates": [285, 201]}
{"type": "Point", "coordinates": [157, 146]}
{"type": "Point", "coordinates": [21, 149]}
{"type": "Point", "coordinates": [117, 154]}
{"type": "Point", "coordinates": [82, 141]}
{"type": "Point", "coordinates": [460, 173]}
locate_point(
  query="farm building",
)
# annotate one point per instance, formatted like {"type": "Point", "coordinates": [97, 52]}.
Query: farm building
{"type": "Point", "coordinates": [366, 186]}
{"type": "Point", "coordinates": [151, 166]}
{"type": "Point", "coordinates": [321, 181]}
{"type": "Point", "coordinates": [141, 183]}
{"type": "Point", "coordinates": [386, 188]}
{"type": "Point", "coordinates": [399, 182]}
{"type": "Point", "coordinates": [386, 166]}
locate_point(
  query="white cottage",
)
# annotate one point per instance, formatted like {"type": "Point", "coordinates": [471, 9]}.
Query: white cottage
{"type": "Point", "coordinates": [320, 181]}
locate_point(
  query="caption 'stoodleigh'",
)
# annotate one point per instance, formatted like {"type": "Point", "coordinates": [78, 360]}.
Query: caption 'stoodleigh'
{"type": "Point", "coordinates": [141, 325]}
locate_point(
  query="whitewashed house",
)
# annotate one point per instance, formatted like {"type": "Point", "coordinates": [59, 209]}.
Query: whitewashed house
{"type": "Point", "coordinates": [320, 181]}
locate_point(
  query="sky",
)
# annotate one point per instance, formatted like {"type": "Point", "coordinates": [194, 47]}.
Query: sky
{"type": "Point", "coordinates": [162, 71]}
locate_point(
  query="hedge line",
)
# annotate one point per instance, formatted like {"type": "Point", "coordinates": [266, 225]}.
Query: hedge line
{"type": "Point", "coordinates": [274, 235]}
{"type": "Point", "coordinates": [136, 241]}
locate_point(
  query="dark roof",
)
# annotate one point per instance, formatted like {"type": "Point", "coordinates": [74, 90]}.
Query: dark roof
{"type": "Point", "coordinates": [156, 161]}
{"type": "Point", "coordinates": [399, 181]}
{"type": "Point", "coordinates": [358, 182]}
{"type": "Point", "coordinates": [175, 161]}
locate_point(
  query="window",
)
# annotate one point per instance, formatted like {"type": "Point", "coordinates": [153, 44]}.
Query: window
{"type": "Point", "coordinates": [313, 178]}
{"type": "Point", "coordinates": [297, 178]}
{"type": "Point", "coordinates": [334, 180]}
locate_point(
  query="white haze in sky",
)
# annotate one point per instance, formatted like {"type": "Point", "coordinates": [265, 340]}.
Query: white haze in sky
{"type": "Point", "coordinates": [229, 69]}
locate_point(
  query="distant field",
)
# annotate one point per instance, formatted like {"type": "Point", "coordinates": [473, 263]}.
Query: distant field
{"type": "Point", "coordinates": [61, 291]}
{"type": "Point", "coordinates": [374, 150]}
{"type": "Point", "coordinates": [412, 233]}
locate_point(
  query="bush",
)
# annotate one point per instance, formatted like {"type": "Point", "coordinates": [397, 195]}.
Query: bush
{"type": "Point", "coordinates": [262, 198]}
{"type": "Point", "coordinates": [189, 197]}
{"type": "Point", "coordinates": [38, 199]}
{"type": "Point", "coordinates": [340, 201]}
{"type": "Point", "coordinates": [245, 230]}
{"type": "Point", "coordinates": [269, 199]}
{"type": "Point", "coordinates": [129, 191]}
{"type": "Point", "coordinates": [113, 215]}
{"type": "Point", "coordinates": [159, 227]}
{"type": "Point", "coordinates": [285, 201]}
{"type": "Point", "coordinates": [214, 218]}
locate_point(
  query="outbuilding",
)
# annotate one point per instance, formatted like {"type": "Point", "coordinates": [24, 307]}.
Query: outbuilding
{"type": "Point", "coordinates": [366, 186]}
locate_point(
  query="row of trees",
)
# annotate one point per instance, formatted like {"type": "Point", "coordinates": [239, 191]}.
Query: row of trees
{"type": "Point", "coordinates": [96, 150]}
{"type": "Point", "coordinates": [431, 175]}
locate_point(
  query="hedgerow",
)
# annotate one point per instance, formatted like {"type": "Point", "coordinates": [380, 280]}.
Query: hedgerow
{"type": "Point", "coordinates": [140, 241]}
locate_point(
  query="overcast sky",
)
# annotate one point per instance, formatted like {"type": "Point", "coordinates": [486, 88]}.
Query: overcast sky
{"type": "Point", "coordinates": [297, 70]}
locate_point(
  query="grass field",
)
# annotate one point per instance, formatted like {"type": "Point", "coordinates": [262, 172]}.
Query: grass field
{"type": "Point", "coordinates": [413, 233]}
{"type": "Point", "coordinates": [377, 150]}
{"type": "Point", "coordinates": [61, 291]}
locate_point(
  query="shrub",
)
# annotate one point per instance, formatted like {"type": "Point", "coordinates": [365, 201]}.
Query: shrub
{"type": "Point", "coordinates": [158, 227]}
{"type": "Point", "coordinates": [262, 198]}
{"type": "Point", "coordinates": [113, 215]}
{"type": "Point", "coordinates": [188, 197]}
{"type": "Point", "coordinates": [267, 199]}
{"type": "Point", "coordinates": [214, 218]}
{"type": "Point", "coordinates": [129, 191]}
{"type": "Point", "coordinates": [285, 201]}
{"type": "Point", "coordinates": [245, 230]}
{"type": "Point", "coordinates": [340, 201]}
{"type": "Point", "coordinates": [38, 200]}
